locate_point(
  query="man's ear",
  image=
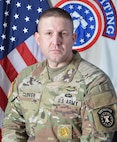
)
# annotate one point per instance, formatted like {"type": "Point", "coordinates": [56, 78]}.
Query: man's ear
{"type": "Point", "coordinates": [36, 35]}
{"type": "Point", "coordinates": [74, 37]}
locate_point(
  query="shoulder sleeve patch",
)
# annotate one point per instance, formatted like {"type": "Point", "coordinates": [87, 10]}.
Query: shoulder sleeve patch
{"type": "Point", "coordinates": [105, 112]}
{"type": "Point", "coordinates": [105, 118]}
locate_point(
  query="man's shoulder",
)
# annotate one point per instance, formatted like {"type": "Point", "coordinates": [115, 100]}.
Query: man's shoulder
{"type": "Point", "coordinates": [86, 68]}
{"type": "Point", "coordinates": [31, 70]}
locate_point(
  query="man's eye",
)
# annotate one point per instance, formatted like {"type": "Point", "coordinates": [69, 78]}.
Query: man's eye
{"type": "Point", "coordinates": [48, 33]}
{"type": "Point", "coordinates": [64, 33]}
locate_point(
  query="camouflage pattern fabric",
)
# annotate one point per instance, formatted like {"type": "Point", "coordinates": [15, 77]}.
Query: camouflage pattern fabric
{"type": "Point", "coordinates": [77, 105]}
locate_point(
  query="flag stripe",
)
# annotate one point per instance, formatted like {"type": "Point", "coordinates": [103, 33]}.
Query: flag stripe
{"type": "Point", "coordinates": [5, 82]}
{"type": "Point", "coordinates": [17, 60]}
{"type": "Point", "coordinates": [3, 100]}
{"type": "Point", "coordinates": [26, 54]}
{"type": "Point", "coordinates": [35, 49]}
{"type": "Point", "coordinates": [1, 118]}
{"type": "Point", "coordinates": [8, 68]}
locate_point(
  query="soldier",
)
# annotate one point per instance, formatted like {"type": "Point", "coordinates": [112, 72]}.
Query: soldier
{"type": "Point", "coordinates": [64, 98]}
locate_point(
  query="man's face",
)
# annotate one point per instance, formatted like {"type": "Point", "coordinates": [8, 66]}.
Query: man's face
{"type": "Point", "coordinates": [56, 39]}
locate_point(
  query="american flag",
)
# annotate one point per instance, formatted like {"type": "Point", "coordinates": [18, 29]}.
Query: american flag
{"type": "Point", "coordinates": [18, 49]}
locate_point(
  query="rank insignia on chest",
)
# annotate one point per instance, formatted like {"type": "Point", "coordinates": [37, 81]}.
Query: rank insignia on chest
{"type": "Point", "coordinates": [64, 131]}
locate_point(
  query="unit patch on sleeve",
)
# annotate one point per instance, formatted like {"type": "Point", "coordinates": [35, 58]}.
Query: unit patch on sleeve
{"type": "Point", "coordinates": [106, 117]}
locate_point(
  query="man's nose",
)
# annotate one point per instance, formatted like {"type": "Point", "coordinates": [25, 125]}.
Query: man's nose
{"type": "Point", "coordinates": [57, 39]}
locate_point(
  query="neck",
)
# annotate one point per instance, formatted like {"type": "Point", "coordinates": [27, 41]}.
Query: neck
{"type": "Point", "coordinates": [55, 65]}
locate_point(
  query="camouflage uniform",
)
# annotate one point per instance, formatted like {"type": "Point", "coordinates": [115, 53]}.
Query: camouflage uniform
{"type": "Point", "coordinates": [77, 105]}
